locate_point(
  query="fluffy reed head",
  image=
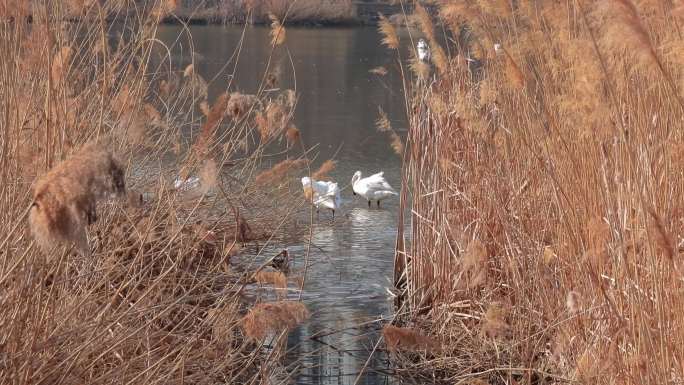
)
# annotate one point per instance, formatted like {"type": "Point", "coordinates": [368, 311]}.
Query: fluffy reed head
{"type": "Point", "coordinates": [277, 31]}
{"type": "Point", "coordinates": [407, 339]}
{"type": "Point", "coordinates": [388, 33]}
{"type": "Point", "coordinates": [240, 104]}
{"type": "Point", "coordinates": [278, 172]}
{"type": "Point", "coordinates": [323, 171]}
{"type": "Point", "coordinates": [273, 317]}
{"type": "Point", "coordinates": [383, 123]}
{"type": "Point", "coordinates": [65, 199]}
{"type": "Point", "coordinates": [292, 135]}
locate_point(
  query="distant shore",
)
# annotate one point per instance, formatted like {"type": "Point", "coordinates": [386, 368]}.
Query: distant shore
{"type": "Point", "coordinates": [359, 14]}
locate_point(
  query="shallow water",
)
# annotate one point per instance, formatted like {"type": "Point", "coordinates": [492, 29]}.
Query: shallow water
{"type": "Point", "coordinates": [351, 259]}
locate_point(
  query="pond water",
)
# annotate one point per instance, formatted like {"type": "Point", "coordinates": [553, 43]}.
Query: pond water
{"type": "Point", "coordinates": [352, 259]}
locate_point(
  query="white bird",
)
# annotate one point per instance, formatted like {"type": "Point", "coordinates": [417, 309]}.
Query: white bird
{"type": "Point", "coordinates": [325, 194]}
{"type": "Point", "coordinates": [373, 188]}
{"type": "Point", "coordinates": [423, 51]}
{"type": "Point", "coordinates": [185, 184]}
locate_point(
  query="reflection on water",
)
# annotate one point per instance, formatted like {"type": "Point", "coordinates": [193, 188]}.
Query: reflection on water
{"type": "Point", "coordinates": [351, 259]}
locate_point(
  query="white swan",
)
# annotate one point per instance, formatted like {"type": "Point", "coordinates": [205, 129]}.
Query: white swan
{"type": "Point", "coordinates": [185, 184]}
{"type": "Point", "coordinates": [423, 51]}
{"type": "Point", "coordinates": [325, 194]}
{"type": "Point", "coordinates": [373, 188]}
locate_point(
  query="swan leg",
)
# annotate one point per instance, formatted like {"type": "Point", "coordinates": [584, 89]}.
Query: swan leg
{"type": "Point", "coordinates": [378, 204]}
{"type": "Point", "coordinates": [369, 204]}
{"type": "Point", "coordinates": [333, 214]}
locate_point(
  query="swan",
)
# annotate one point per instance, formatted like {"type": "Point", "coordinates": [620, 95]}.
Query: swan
{"type": "Point", "coordinates": [325, 194]}
{"type": "Point", "coordinates": [423, 51]}
{"type": "Point", "coordinates": [373, 188]}
{"type": "Point", "coordinates": [185, 184]}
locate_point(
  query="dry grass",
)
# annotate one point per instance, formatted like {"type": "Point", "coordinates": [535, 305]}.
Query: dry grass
{"type": "Point", "coordinates": [151, 298]}
{"type": "Point", "coordinates": [545, 196]}
{"type": "Point", "coordinates": [273, 317]}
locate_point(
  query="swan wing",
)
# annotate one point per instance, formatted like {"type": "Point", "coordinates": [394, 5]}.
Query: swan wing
{"type": "Point", "coordinates": [377, 182]}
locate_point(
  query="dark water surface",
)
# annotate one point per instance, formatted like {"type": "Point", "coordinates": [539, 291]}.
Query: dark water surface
{"type": "Point", "coordinates": [351, 260]}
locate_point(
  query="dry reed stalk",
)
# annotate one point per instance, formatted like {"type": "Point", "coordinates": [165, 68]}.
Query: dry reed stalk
{"type": "Point", "coordinates": [558, 183]}
{"type": "Point", "coordinates": [273, 317]}
{"type": "Point", "coordinates": [406, 339]}
{"type": "Point", "coordinates": [323, 171]}
{"type": "Point", "coordinates": [279, 171]}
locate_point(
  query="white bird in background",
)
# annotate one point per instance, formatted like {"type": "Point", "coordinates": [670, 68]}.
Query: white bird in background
{"type": "Point", "coordinates": [185, 184]}
{"type": "Point", "coordinates": [325, 194]}
{"type": "Point", "coordinates": [373, 188]}
{"type": "Point", "coordinates": [423, 51]}
{"type": "Point", "coordinates": [497, 48]}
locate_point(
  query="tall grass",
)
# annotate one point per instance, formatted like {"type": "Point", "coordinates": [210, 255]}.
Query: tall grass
{"type": "Point", "coordinates": [546, 196]}
{"type": "Point", "coordinates": [90, 104]}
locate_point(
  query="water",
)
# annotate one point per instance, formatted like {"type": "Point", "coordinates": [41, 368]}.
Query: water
{"type": "Point", "coordinates": [352, 259]}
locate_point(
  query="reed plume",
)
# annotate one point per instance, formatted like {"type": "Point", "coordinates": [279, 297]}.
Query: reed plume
{"type": "Point", "coordinates": [624, 33]}
{"type": "Point", "coordinates": [273, 120]}
{"type": "Point", "coordinates": [292, 135]}
{"type": "Point", "coordinates": [279, 171]}
{"type": "Point", "coordinates": [388, 33]}
{"type": "Point", "coordinates": [397, 144]}
{"type": "Point", "coordinates": [240, 104]}
{"type": "Point", "coordinates": [515, 76]}
{"type": "Point", "coordinates": [277, 31]}
{"type": "Point", "coordinates": [383, 124]}
{"type": "Point", "coordinates": [208, 176]}
{"type": "Point", "coordinates": [64, 199]}
{"type": "Point", "coordinates": [189, 70]}
{"type": "Point", "coordinates": [494, 321]}
{"type": "Point", "coordinates": [275, 278]}
{"type": "Point", "coordinates": [273, 317]}
{"type": "Point", "coordinates": [209, 127]}
{"type": "Point", "coordinates": [60, 65]}
{"type": "Point", "coordinates": [323, 171]}
{"type": "Point", "coordinates": [406, 339]}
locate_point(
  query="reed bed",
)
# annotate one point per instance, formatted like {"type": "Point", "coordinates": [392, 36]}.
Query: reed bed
{"type": "Point", "coordinates": [121, 206]}
{"type": "Point", "coordinates": [542, 177]}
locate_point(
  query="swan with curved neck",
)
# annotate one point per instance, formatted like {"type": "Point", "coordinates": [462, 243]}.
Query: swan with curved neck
{"type": "Point", "coordinates": [372, 188]}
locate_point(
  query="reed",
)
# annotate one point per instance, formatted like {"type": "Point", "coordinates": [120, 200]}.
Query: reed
{"type": "Point", "coordinates": [273, 317]}
{"type": "Point", "coordinates": [149, 295]}
{"type": "Point", "coordinates": [543, 194]}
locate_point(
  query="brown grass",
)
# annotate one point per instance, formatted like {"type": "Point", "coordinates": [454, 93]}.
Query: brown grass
{"type": "Point", "coordinates": [273, 317]}
{"type": "Point", "coordinates": [399, 338]}
{"type": "Point", "coordinates": [159, 297]}
{"type": "Point", "coordinates": [543, 212]}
